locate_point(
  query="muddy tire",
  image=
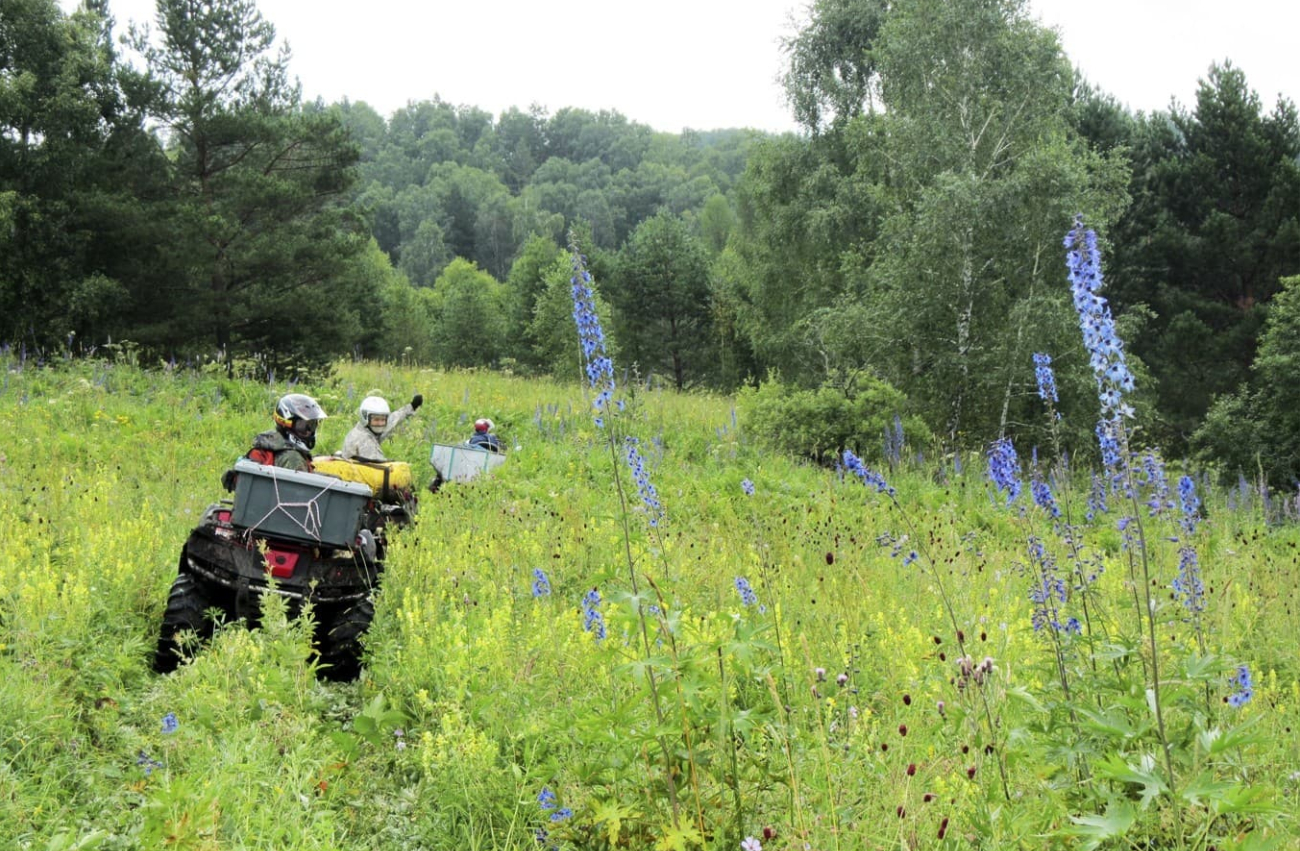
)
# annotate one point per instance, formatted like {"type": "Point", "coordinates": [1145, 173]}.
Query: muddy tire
{"type": "Point", "coordinates": [339, 642]}
{"type": "Point", "coordinates": [186, 607]}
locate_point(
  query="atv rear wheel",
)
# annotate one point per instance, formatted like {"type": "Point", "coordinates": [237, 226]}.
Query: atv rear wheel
{"type": "Point", "coordinates": [339, 641]}
{"type": "Point", "coordinates": [186, 607]}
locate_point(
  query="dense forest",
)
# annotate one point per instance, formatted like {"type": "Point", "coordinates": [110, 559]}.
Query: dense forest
{"type": "Point", "coordinates": [170, 194]}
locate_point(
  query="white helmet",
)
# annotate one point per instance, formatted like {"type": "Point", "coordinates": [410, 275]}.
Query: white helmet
{"type": "Point", "coordinates": [373, 406]}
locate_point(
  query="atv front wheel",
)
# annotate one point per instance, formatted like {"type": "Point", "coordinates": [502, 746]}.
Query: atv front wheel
{"type": "Point", "coordinates": [186, 605]}
{"type": "Point", "coordinates": [339, 644]}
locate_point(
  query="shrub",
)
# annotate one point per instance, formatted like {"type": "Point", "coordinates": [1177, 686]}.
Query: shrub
{"type": "Point", "coordinates": [819, 424]}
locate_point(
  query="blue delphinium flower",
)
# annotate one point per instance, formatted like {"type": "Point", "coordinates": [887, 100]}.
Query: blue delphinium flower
{"type": "Point", "coordinates": [1153, 476]}
{"type": "Point", "coordinates": [1108, 434]}
{"type": "Point", "coordinates": [1097, 498]}
{"type": "Point", "coordinates": [546, 800]}
{"type": "Point", "coordinates": [1043, 498]}
{"type": "Point", "coordinates": [1004, 468]}
{"type": "Point", "coordinates": [600, 368]}
{"type": "Point", "coordinates": [541, 583]}
{"type": "Point", "coordinates": [147, 762]}
{"type": "Point", "coordinates": [893, 442]}
{"type": "Point", "coordinates": [747, 486]}
{"type": "Point", "coordinates": [1189, 504]}
{"type": "Point", "coordinates": [1048, 593]}
{"type": "Point", "coordinates": [868, 477]}
{"type": "Point", "coordinates": [1046, 379]}
{"type": "Point", "coordinates": [1244, 490]}
{"type": "Point", "coordinates": [170, 724]}
{"type": "Point", "coordinates": [1105, 349]}
{"type": "Point", "coordinates": [1243, 685]}
{"type": "Point", "coordinates": [747, 595]}
{"type": "Point", "coordinates": [649, 496]}
{"type": "Point", "coordinates": [1188, 587]}
{"type": "Point", "coordinates": [592, 619]}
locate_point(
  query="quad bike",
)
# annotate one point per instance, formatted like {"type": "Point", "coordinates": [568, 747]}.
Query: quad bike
{"type": "Point", "coordinates": [303, 536]}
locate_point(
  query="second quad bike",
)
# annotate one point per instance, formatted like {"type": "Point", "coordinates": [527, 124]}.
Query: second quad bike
{"type": "Point", "coordinates": [307, 537]}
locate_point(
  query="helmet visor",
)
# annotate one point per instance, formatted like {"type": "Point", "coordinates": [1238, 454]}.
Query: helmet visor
{"type": "Point", "coordinates": [305, 428]}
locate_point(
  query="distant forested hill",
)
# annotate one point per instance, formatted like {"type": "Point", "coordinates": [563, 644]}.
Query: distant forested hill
{"type": "Point", "coordinates": [905, 245]}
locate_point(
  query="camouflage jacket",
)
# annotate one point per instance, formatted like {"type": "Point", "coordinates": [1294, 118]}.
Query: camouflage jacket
{"type": "Point", "coordinates": [363, 443]}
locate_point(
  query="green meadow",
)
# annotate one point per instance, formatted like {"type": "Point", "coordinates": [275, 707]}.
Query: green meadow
{"type": "Point", "coordinates": [554, 664]}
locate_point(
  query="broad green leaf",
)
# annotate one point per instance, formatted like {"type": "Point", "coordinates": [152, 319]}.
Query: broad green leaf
{"type": "Point", "coordinates": [680, 838]}
{"type": "Point", "coordinates": [1144, 774]}
{"type": "Point", "coordinates": [1099, 829]}
{"type": "Point", "coordinates": [612, 814]}
{"type": "Point", "coordinates": [1249, 800]}
{"type": "Point", "coordinates": [1202, 667]}
{"type": "Point", "coordinates": [1216, 741]}
{"type": "Point", "coordinates": [1204, 787]}
{"type": "Point", "coordinates": [1113, 724]}
{"type": "Point", "coordinates": [1254, 841]}
{"type": "Point", "coordinates": [1023, 695]}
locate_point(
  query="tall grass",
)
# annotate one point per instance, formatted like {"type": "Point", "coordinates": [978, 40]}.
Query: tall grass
{"type": "Point", "coordinates": [823, 712]}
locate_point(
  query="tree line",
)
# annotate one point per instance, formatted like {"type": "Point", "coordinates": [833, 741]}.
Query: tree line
{"type": "Point", "coordinates": [906, 245]}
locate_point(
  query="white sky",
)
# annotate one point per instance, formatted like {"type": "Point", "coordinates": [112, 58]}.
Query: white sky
{"type": "Point", "coordinates": [710, 64]}
{"type": "Point", "coordinates": [1146, 51]}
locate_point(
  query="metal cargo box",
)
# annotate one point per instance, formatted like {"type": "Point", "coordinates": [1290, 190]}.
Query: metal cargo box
{"type": "Point", "coordinates": [462, 462]}
{"type": "Point", "coordinates": [308, 507]}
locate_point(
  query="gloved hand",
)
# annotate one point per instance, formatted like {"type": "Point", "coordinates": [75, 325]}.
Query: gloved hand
{"type": "Point", "coordinates": [416, 401]}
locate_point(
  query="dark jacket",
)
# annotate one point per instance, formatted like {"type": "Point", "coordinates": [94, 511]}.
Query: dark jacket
{"type": "Point", "coordinates": [284, 453]}
{"type": "Point", "coordinates": [486, 440]}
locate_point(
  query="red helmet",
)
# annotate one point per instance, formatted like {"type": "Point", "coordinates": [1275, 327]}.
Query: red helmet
{"type": "Point", "coordinates": [483, 425]}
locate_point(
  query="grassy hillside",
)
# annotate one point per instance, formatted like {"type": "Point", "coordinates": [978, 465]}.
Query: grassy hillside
{"type": "Point", "coordinates": [816, 665]}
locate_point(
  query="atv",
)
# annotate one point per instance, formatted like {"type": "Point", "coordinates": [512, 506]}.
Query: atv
{"type": "Point", "coordinates": [304, 536]}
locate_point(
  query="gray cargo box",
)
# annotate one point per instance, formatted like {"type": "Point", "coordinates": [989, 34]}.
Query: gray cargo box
{"type": "Point", "coordinates": [463, 462]}
{"type": "Point", "coordinates": [299, 506]}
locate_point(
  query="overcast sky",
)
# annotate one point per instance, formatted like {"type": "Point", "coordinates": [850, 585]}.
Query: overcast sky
{"type": "Point", "coordinates": [709, 64]}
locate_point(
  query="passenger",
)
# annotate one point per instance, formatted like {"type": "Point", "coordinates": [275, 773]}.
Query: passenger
{"type": "Point", "coordinates": [484, 438]}
{"type": "Point", "coordinates": [376, 424]}
{"type": "Point", "coordinates": [289, 444]}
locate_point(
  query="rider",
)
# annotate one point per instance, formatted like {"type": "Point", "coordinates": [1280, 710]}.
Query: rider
{"type": "Point", "coordinates": [289, 444]}
{"type": "Point", "coordinates": [484, 438]}
{"type": "Point", "coordinates": [376, 424]}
